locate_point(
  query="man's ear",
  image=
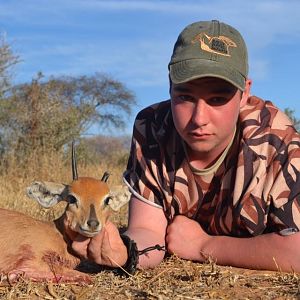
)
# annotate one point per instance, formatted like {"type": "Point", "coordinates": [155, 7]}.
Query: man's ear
{"type": "Point", "coordinates": [246, 92]}
{"type": "Point", "coordinates": [170, 85]}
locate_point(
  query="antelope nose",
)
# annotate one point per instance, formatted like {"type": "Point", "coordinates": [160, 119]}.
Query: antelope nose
{"type": "Point", "coordinates": [93, 224]}
{"type": "Point", "coordinates": [92, 221]}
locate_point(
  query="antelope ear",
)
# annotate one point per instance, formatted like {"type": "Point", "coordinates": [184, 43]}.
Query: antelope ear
{"type": "Point", "coordinates": [47, 194]}
{"type": "Point", "coordinates": [120, 195]}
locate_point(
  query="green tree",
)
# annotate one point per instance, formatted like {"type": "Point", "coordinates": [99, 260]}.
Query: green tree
{"type": "Point", "coordinates": [291, 114]}
{"type": "Point", "coordinates": [44, 116]}
{"type": "Point", "coordinates": [104, 147]}
{"type": "Point", "coordinates": [7, 60]}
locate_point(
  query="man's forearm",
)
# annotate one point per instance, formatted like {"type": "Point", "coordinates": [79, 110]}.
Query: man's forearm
{"type": "Point", "coordinates": [267, 251]}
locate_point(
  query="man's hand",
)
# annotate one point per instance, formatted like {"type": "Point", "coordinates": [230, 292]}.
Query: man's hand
{"type": "Point", "coordinates": [106, 248]}
{"type": "Point", "coordinates": [186, 238]}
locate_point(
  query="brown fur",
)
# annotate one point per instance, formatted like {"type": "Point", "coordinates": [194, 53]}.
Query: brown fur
{"type": "Point", "coordinates": [27, 246]}
{"type": "Point", "coordinates": [40, 250]}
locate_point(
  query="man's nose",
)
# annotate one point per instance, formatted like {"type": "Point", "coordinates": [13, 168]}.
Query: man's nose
{"type": "Point", "coordinates": [201, 113]}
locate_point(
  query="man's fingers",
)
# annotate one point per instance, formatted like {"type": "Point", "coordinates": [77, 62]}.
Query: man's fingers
{"type": "Point", "coordinates": [82, 239]}
{"type": "Point", "coordinates": [111, 228]}
{"type": "Point", "coordinates": [80, 245]}
{"type": "Point", "coordinates": [95, 247]}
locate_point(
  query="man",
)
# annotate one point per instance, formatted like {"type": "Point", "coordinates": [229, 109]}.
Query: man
{"type": "Point", "coordinates": [214, 172]}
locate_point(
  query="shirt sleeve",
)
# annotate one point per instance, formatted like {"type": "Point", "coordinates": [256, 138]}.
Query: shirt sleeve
{"type": "Point", "coordinates": [269, 171]}
{"type": "Point", "coordinates": [285, 192]}
{"type": "Point", "coordinates": [142, 175]}
{"type": "Point", "coordinates": [284, 171]}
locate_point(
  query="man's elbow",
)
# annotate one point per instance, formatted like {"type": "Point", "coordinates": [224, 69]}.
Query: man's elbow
{"type": "Point", "coordinates": [290, 261]}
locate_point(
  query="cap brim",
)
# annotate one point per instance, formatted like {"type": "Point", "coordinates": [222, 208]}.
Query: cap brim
{"type": "Point", "coordinates": [191, 69]}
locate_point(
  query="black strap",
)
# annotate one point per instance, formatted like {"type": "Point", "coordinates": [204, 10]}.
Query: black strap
{"type": "Point", "coordinates": [156, 247]}
{"type": "Point", "coordinates": [133, 254]}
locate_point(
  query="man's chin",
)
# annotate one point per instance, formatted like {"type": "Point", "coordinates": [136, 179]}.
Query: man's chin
{"type": "Point", "coordinates": [199, 148]}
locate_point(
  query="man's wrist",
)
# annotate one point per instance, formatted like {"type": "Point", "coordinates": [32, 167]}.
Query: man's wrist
{"type": "Point", "coordinates": [132, 255]}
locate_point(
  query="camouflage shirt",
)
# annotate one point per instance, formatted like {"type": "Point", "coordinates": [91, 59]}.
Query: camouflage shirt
{"type": "Point", "coordinates": [255, 189]}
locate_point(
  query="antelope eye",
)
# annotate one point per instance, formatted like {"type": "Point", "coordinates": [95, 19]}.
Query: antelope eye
{"type": "Point", "coordinates": [106, 200]}
{"type": "Point", "coordinates": [71, 199]}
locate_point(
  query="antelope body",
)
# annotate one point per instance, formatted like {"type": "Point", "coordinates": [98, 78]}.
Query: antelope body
{"type": "Point", "coordinates": [40, 250]}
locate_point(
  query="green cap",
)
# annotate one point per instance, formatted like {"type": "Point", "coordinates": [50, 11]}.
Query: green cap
{"type": "Point", "coordinates": [209, 49]}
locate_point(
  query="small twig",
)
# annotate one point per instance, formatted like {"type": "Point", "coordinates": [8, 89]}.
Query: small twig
{"type": "Point", "coordinates": [51, 290]}
{"type": "Point", "coordinates": [187, 297]}
{"type": "Point", "coordinates": [278, 268]}
{"type": "Point", "coordinates": [112, 260]}
{"type": "Point", "coordinates": [157, 275]}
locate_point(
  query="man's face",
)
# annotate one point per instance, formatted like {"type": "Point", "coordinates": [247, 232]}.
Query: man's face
{"type": "Point", "coordinates": [205, 112]}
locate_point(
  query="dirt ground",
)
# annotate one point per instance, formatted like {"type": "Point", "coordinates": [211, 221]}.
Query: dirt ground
{"type": "Point", "coordinates": [173, 279]}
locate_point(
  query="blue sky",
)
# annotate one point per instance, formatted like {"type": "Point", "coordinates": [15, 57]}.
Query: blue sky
{"type": "Point", "coordinates": [132, 41]}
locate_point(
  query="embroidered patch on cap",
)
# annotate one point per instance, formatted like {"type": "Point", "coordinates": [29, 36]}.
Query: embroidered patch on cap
{"type": "Point", "coordinates": [216, 44]}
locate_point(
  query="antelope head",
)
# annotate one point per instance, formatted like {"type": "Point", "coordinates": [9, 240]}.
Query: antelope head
{"type": "Point", "coordinates": [89, 200]}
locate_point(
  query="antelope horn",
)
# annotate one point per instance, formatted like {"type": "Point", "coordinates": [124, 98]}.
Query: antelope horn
{"type": "Point", "coordinates": [105, 176]}
{"type": "Point", "coordinates": [74, 164]}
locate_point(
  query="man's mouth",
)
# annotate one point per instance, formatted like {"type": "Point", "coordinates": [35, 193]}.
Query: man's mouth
{"type": "Point", "coordinates": [200, 135]}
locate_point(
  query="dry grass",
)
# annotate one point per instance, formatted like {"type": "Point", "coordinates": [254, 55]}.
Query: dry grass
{"type": "Point", "coordinates": [173, 279]}
{"type": "Point", "coordinates": [13, 183]}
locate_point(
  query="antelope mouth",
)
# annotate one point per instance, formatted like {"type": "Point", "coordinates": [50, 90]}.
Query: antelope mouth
{"type": "Point", "coordinates": [88, 233]}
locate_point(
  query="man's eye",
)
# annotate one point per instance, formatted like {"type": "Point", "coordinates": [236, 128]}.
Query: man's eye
{"type": "Point", "coordinates": [185, 98]}
{"type": "Point", "coordinates": [218, 101]}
